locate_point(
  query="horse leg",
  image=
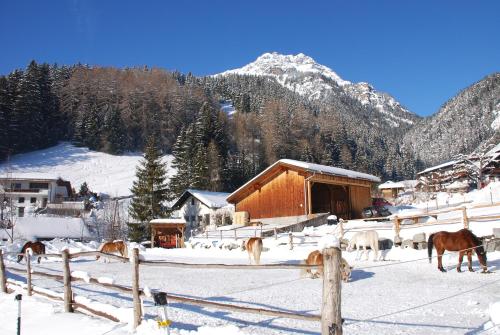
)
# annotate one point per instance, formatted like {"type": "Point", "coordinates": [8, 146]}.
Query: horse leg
{"type": "Point", "coordinates": [440, 253]}
{"type": "Point", "coordinates": [469, 258]}
{"type": "Point", "coordinates": [460, 259]}
{"type": "Point", "coordinates": [39, 258]}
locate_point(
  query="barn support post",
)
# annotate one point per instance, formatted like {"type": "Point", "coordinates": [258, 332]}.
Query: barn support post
{"type": "Point", "coordinates": [465, 219]}
{"type": "Point", "coordinates": [3, 275]}
{"type": "Point", "coordinates": [135, 287]}
{"type": "Point", "coordinates": [261, 229]}
{"type": "Point", "coordinates": [29, 287]}
{"type": "Point", "coordinates": [68, 294]}
{"type": "Point", "coordinates": [331, 316]}
{"type": "Point", "coordinates": [290, 240]}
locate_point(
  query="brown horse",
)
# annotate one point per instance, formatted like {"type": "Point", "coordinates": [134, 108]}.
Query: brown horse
{"type": "Point", "coordinates": [254, 249]}
{"type": "Point", "coordinates": [37, 248]}
{"type": "Point", "coordinates": [463, 241]}
{"type": "Point", "coordinates": [316, 258]}
{"type": "Point", "coordinates": [115, 246]}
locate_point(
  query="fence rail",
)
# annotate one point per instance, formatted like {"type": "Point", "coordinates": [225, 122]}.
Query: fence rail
{"type": "Point", "coordinates": [331, 280]}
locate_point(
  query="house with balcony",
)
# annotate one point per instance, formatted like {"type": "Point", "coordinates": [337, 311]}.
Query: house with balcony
{"type": "Point", "coordinates": [25, 192]}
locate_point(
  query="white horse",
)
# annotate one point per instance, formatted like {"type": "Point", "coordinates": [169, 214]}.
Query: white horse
{"type": "Point", "coordinates": [364, 239]}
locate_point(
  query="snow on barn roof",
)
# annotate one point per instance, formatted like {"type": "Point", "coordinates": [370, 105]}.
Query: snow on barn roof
{"type": "Point", "coordinates": [310, 167]}
{"type": "Point", "coordinates": [28, 176]}
{"type": "Point", "coordinates": [391, 184]}
{"type": "Point", "coordinates": [210, 199]}
{"type": "Point", "coordinates": [329, 170]}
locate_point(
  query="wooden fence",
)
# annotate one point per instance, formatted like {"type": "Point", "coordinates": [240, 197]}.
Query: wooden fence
{"type": "Point", "coordinates": [330, 308]}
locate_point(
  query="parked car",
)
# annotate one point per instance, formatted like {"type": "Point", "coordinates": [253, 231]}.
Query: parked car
{"type": "Point", "coordinates": [375, 211]}
{"type": "Point", "coordinates": [380, 202]}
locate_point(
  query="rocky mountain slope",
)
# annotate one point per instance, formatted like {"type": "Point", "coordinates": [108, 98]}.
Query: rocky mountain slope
{"type": "Point", "coordinates": [302, 75]}
{"type": "Point", "coordinates": [462, 124]}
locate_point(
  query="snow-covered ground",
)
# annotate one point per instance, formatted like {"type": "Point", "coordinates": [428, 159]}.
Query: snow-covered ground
{"type": "Point", "coordinates": [384, 297]}
{"type": "Point", "coordinates": [104, 173]}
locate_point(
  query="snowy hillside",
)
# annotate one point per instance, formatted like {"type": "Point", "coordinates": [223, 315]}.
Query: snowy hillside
{"type": "Point", "coordinates": [303, 75]}
{"type": "Point", "coordinates": [104, 173]}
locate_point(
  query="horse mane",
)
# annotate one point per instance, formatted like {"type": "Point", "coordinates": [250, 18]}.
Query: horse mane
{"type": "Point", "coordinates": [476, 239]}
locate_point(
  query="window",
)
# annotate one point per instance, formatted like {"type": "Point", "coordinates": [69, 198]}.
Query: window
{"type": "Point", "coordinates": [21, 212]}
{"type": "Point", "coordinates": [20, 200]}
{"type": "Point", "coordinates": [43, 186]}
{"type": "Point", "coordinates": [192, 201]}
{"type": "Point", "coordinates": [15, 186]}
{"type": "Point", "coordinates": [33, 200]}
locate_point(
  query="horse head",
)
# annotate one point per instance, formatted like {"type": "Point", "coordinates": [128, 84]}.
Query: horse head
{"type": "Point", "coordinates": [481, 255]}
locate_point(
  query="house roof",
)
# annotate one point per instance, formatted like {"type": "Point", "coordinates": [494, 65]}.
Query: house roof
{"type": "Point", "coordinates": [168, 221]}
{"type": "Point", "coordinates": [309, 167]}
{"type": "Point", "coordinates": [209, 199]}
{"type": "Point", "coordinates": [390, 184]}
{"type": "Point", "coordinates": [28, 176]}
{"type": "Point", "coordinates": [437, 167]}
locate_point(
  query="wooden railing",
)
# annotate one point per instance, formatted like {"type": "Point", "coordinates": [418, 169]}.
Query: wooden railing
{"type": "Point", "coordinates": [330, 309]}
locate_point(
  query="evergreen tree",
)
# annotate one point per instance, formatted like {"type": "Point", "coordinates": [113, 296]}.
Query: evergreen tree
{"type": "Point", "coordinates": [115, 138]}
{"type": "Point", "coordinates": [149, 191]}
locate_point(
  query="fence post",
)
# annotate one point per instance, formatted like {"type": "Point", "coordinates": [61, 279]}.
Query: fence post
{"type": "Point", "coordinates": [68, 295]}
{"type": "Point", "coordinates": [465, 219]}
{"type": "Point", "coordinates": [397, 226]}
{"type": "Point", "coordinates": [331, 318]}
{"type": "Point", "coordinates": [275, 234]}
{"type": "Point", "coordinates": [235, 235]}
{"type": "Point", "coordinates": [29, 288]}
{"type": "Point", "coordinates": [135, 287]}
{"type": "Point", "coordinates": [290, 240]}
{"type": "Point", "coordinates": [221, 234]}
{"type": "Point", "coordinates": [3, 275]}
{"type": "Point", "coordinates": [261, 229]}
{"type": "Point", "coordinates": [341, 228]}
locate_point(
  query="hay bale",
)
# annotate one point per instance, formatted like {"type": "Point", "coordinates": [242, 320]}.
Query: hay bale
{"type": "Point", "coordinates": [420, 237]}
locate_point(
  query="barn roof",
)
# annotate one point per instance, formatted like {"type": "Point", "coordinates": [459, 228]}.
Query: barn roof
{"type": "Point", "coordinates": [308, 167]}
{"type": "Point", "coordinates": [390, 184]}
{"type": "Point", "coordinates": [210, 199]}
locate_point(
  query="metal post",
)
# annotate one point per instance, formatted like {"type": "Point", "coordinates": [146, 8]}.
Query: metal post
{"type": "Point", "coordinates": [3, 275]}
{"type": "Point", "coordinates": [19, 297]}
{"type": "Point", "coordinates": [28, 272]}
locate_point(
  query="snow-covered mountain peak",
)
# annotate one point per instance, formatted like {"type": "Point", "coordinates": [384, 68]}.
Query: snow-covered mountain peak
{"type": "Point", "coordinates": [303, 75]}
{"type": "Point", "coordinates": [285, 67]}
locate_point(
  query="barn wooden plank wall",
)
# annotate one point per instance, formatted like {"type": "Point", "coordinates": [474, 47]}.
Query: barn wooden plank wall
{"type": "Point", "coordinates": [281, 196]}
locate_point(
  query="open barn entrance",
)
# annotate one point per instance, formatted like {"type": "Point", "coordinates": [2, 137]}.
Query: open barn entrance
{"type": "Point", "coordinates": [326, 198]}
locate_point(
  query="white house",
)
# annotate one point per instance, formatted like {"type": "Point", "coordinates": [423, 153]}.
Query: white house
{"type": "Point", "coordinates": [32, 190]}
{"type": "Point", "coordinates": [202, 208]}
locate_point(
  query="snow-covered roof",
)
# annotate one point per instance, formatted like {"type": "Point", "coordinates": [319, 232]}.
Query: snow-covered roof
{"type": "Point", "coordinates": [437, 167]}
{"type": "Point", "coordinates": [28, 176]}
{"type": "Point", "coordinates": [391, 184]}
{"type": "Point", "coordinates": [210, 199]}
{"type": "Point", "coordinates": [314, 168]}
{"type": "Point", "coordinates": [457, 185]}
{"type": "Point", "coordinates": [173, 221]}
{"type": "Point", "coordinates": [328, 170]}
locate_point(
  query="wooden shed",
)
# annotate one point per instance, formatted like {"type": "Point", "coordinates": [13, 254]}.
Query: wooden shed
{"type": "Point", "coordinates": [167, 233]}
{"type": "Point", "coordinates": [294, 188]}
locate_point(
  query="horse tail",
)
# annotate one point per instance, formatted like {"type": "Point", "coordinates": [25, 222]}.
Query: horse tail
{"type": "Point", "coordinates": [430, 245]}
{"type": "Point", "coordinates": [257, 251]}
{"type": "Point", "coordinates": [125, 249]}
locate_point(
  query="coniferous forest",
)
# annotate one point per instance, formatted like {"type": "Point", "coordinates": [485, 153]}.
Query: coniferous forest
{"type": "Point", "coordinates": [117, 110]}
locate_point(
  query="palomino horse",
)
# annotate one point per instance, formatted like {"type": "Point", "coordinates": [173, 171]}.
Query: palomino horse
{"type": "Point", "coordinates": [364, 239]}
{"type": "Point", "coordinates": [37, 248]}
{"type": "Point", "coordinates": [115, 246]}
{"type": "Point", "coordinates": [254, 249]}
{"type": "Point", "coordinates": [463, 241]}
{"type": "Point", "coordinates": [316, 258]}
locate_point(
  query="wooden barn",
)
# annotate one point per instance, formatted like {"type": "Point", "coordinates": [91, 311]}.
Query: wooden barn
{"type": "Point", "coordinates": [295, 188]}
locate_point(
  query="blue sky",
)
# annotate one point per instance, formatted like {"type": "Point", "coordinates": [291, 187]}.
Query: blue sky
{"type": "Point", "coordinates": [421, 52]}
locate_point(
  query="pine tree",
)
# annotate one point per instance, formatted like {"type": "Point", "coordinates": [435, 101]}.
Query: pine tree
{"type": "Point", "coordinates": [149, 191]}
